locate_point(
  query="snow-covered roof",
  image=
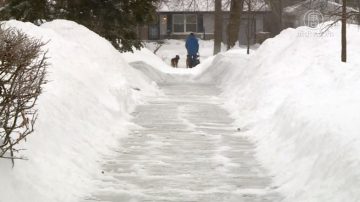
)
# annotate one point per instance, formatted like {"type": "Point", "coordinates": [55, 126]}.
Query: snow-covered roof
{"type": "Point", "coordinates": [205, 6]}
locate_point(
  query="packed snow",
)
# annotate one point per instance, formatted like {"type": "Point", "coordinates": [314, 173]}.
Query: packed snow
{"type": "Point", "coordinates": [82, 114]}
{"type": "Point", "coordinates": [185, 150]}
{"type": "Point", "coordinates": [300, 105]}
{"type": "Point", "coordinates": [292, 98]}
{"type": "Point", "coordinates": [170, 48]}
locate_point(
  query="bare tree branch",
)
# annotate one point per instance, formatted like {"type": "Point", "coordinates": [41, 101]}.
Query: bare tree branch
{"type": "Point", "coordinates": [22, 74]}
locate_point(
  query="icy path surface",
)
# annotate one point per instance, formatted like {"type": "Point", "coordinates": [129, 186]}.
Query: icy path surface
{"type": "Point", "coordinates": [187, 150]}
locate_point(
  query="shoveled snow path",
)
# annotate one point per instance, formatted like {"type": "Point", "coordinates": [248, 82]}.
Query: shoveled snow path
{"type": "Point", "coordinates": [187, 150]}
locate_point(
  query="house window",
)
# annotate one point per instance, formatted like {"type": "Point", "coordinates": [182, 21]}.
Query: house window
{"type": "Point", "coordinates": [179, 21]}
{"type": "Point", "coordinates": [185, 23]}
{"type": "Point", "coordinates": [191, 23]}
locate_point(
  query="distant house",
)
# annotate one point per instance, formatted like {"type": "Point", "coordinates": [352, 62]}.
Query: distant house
{"type": "Point", "coordinates": [298, 14]}
{"type": "Point", "coordinates": [177, 21]}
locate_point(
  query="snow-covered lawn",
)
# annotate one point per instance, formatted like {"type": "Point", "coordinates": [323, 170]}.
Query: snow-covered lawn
{"type": "Point", "coordinates": [292, 97]}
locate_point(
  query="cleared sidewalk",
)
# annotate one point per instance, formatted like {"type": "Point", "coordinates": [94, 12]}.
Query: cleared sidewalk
{"type": "Point", "coordinates": [186, 150]}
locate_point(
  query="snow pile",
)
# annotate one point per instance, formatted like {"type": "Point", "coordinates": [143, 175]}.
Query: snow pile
{"type": "Point", "coordinates": [154, 68]}
{"type": "Point", "coordinates": [292, 97]}
{"type": "Point", "coordinates": [171, 47]}
{"type": "Point", "coordinates": [157, 67]}
{"type": "Point", "coordinates": [301, 106]}
{"type": "Point", "coordinates": [83, 112]}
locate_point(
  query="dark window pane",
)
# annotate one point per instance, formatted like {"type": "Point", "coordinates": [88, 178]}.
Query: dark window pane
{"type": "Point", "coordinates": [191, 27]}
{"type": "Point", "coordinates": [179, 28]}
{"type": "Point", "coordinates": [178, 19]}
{"type": "Point", "coordinates": [191, 19]}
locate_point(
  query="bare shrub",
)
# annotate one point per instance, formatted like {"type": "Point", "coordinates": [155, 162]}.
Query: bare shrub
{"type": "Point", "coordinates": [22, 74]}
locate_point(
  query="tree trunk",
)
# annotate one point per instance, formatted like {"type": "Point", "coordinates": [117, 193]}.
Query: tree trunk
{"type": "Point", "coordinates": [343, 32]}
{"type": "Point", "coordinates": [218, 26]}
{"type": "Point", "coordinates": [234, 22]}
{"type": "Point", "coordinates": [248, 33]}
{"type": "Point", "coordinates": [277, 15]}
{"type": "Point", "coordinates": [358, 6]}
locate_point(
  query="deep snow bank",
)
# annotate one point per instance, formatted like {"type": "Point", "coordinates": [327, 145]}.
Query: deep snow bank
{"type": "Point", "coordinates": [301, 106]}
{"type": "Point", "coordinates": [83, 112]}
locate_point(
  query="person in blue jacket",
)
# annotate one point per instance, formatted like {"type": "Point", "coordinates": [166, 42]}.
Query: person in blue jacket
{"type": "Point", "coordinates": [192, 47]}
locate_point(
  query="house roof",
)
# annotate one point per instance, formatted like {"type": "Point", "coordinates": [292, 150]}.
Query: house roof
{"type": "Point", "coordinates": [205, 6]}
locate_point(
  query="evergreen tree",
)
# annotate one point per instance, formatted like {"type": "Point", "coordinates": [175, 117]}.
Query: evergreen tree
{"type": "Point", "coordinates": [116, 20]}
{"type": "Point", "coordinates": [25, 10]}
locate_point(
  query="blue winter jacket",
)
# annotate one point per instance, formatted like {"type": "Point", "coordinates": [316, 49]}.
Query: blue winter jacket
{"type": "Point", "coordinates": [192, 45]}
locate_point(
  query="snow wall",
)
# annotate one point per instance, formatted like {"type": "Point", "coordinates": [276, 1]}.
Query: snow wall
{"type": "Point", "coordinates": [300, 105]}
{"type": "Point", "coordinates": [83, 112]}
{"type": "Point", "coordinates": [292, 98]}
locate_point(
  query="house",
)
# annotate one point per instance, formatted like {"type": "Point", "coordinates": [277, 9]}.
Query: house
{"type": "Point", "coordinates": [175, 20]}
